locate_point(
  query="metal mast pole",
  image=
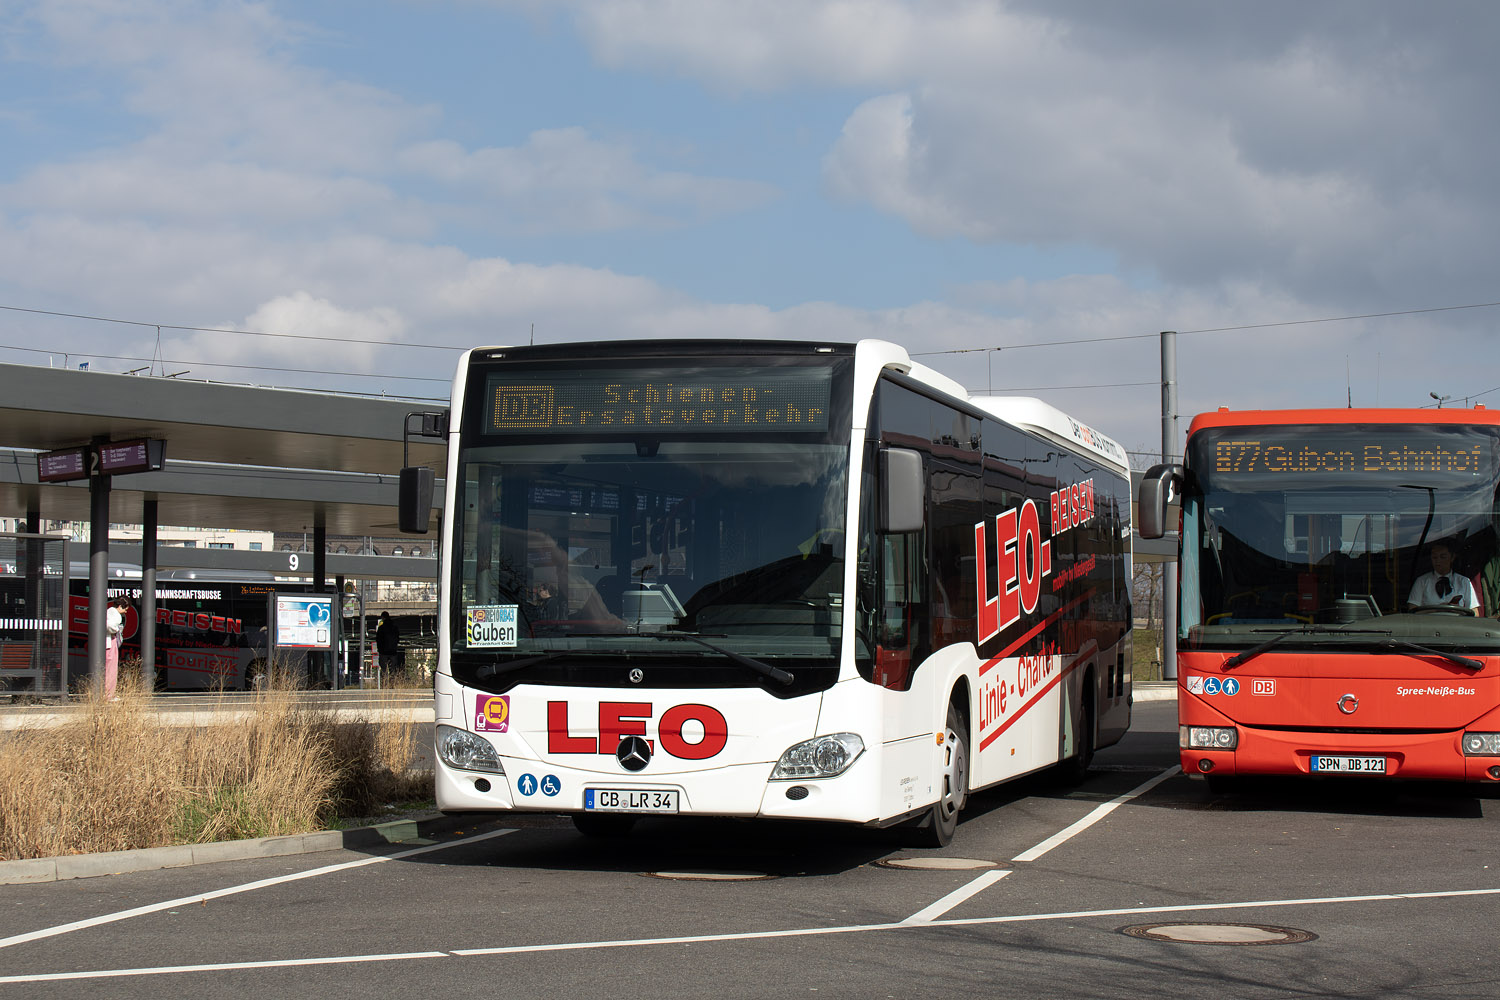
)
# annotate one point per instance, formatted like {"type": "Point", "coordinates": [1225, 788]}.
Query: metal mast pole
{"type": "Point", "coordinates": [1169, 454]}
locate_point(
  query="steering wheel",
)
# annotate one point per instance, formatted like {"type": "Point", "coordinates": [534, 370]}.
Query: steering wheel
{"type": "Point", "coordinates": [1452, 609]}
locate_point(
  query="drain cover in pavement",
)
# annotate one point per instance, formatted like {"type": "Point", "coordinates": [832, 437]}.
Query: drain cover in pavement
{"type": "Point", "coordinates": [934, 864]}
{"type": "Point", "coordinates": [1188, 932]}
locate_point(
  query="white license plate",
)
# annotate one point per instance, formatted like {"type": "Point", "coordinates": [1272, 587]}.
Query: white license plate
{"type": "Point", "coordinates": [1348, 765]}
{"type": "Point", "coordinates": [630, 800]}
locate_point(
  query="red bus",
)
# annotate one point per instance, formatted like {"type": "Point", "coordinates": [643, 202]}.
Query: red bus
{"type": "Point", "coordinates": [1339, 584]}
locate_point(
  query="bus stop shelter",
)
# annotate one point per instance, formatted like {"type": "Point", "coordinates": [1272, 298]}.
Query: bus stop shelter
{"type": "Point", "coordinates": [235, 456]}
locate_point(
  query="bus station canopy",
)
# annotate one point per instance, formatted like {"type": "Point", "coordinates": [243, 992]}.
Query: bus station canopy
{"type": "Point", "coordinates": [236, 456]}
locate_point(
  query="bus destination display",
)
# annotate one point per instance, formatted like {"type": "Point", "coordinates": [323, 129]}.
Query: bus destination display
{"type": "Point", "coordinates": [703, 401]}
{"type": "Point", "coordinates": [1365, 454]}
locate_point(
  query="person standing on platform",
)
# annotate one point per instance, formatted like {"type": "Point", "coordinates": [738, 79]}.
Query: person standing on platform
{"type": "Point", "coordinates": [388, 645]}
{"type": "Point", "coordinates": [114, 635]}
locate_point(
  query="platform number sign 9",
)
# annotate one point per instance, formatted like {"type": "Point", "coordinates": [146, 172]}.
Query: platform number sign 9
{"type": "Point", "coordinates": [490, 625]}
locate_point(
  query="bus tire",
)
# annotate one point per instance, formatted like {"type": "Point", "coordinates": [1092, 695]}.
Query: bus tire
{"type": "Point", "coordinates": [603, 825]}
{"type": "Point", "coordinates": [936, 829]}
{"type": "Point", "coordinates": [1076, 768]}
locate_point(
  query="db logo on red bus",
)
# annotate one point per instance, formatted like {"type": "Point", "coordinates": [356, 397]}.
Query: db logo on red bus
{"type": "Point", "coordinates": [1263, 685]}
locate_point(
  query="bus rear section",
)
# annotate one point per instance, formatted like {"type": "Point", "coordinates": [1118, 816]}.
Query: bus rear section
{"type": "Point", "coordinates": [768, 580]}
{"type": "Point", "coordinates": [211, 634]}
{"type": "Point", "coordinates": [1340, 581]}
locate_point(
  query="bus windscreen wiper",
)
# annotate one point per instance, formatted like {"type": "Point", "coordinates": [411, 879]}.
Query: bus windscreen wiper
{"type": "Point", "coordinates": [1404, 646]}
{"type": "Point", "coordinates": [1255, 651]}
{"type": "Point", "coordinates": [776, 674]}
{"type": "Point", "coordinates": [510, 666]}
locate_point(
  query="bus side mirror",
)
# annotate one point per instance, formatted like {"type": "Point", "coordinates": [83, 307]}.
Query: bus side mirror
{"type": "Point", "coordinates": [903, 491]}
{"type": "Point", "coordinates": [1155, 493]}
{"type": "Point", "coordinates": [415, 499]}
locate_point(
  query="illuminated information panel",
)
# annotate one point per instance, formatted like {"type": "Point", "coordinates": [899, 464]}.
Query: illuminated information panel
{"type": "Point", "coordinates": [686, 401]}
{"type": "Point", "coordinates": [119, 457]}
{"type": "Point", "coordinates": [1356, 451]}
{"type": "Point", "coordinates": [62, 466]}
{"type": "Point", "coordinates": [302, 621]}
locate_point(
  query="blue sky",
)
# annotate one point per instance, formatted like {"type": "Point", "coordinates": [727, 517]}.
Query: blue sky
{"type": "Point", "coordinates": [954, 175]}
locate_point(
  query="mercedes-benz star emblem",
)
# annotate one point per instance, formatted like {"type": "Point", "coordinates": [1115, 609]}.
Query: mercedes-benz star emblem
{"type": "Point", "coordinates": [1348, 704]}
{"type": "Point", "coordinates": [637, 675]}
{"type": "Point", "coordinates": [633, 753]}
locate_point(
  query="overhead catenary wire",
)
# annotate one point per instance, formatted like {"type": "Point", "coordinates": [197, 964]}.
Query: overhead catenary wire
{"type": "Point", "coordinates": [219, 329]}
{"type": "Point", "coordinates": [225, 364]}
{"type": "Point", "coordinates": [443, 347]}
{"type": "Point", "coordinates": [1216, 329]}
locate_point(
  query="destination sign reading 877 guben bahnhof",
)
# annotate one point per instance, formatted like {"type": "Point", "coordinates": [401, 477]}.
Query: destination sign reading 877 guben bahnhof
{"type": "Point", "coordinates": [732, 400]}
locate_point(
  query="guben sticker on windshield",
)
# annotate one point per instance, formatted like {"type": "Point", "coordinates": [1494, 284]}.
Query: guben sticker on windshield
{"type": "Point", "coordinates": [490, 625]}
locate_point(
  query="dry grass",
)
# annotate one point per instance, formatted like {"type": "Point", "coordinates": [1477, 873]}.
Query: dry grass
{"type": "Point", "coordinates": [117, 778]}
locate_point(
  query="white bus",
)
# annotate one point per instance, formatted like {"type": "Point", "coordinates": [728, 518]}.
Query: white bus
{"type": "Point", "coordinates": [777, 580]}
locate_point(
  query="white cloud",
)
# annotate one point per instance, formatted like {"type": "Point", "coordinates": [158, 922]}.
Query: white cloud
{"type": "Point", "coordinates": [226, 127]}
{"type": "Point", "coordinates": [566, 179]}
{"type": "Point", "coordinates": [1336, 149]}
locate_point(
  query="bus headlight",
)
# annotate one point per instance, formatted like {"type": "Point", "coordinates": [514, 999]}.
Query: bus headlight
{"type": "Point", "coordinates": [1481, 744]}
{"type": "Point", "coordinates": [467, 751]}
{"type": "Point", "coordinates": [1208, 737]}
{"type": "Point", "coordinates": [823, 757]}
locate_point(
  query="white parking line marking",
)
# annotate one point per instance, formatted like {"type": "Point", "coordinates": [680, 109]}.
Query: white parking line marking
{"type": "Point", "coordinates": [955, 897]}
{"type": "Point", "coordinates": [1136, 911]}
{"type": "Point", "coordinates": [1063, 836]}
{"type": "Point", "coordinates": [139, 911]}
{"type": "Point", "coordinates": [163, 970]}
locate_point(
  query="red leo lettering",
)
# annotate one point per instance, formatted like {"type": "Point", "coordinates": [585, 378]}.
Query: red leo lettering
{"type": "Point", "coordinates": [1030, 558]}
{"type": "Point", "coordinates": [1005, 545]}
{"type": "Point", "coordinates": [715, 731]}
{"type": "Point", "coordinates": [989, 607]}
{"type": "Point", "coordinates": [559, 740]}
{"type": "Point", "coordinates": [619, 719]}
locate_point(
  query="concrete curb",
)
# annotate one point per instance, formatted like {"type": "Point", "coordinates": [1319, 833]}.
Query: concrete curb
{"type": "Point", "coordinates": [154, 858]}
{"type": "Point", "coordinates": [1166, 692]}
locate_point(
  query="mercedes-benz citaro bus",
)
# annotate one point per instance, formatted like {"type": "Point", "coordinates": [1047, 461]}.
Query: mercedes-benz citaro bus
{"type": "Point", "coordinates": [777, 580]}
{"type": "Point", "coordinates": [1340, 579]}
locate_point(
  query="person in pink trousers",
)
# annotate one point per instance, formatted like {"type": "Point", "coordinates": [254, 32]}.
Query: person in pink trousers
{"type": "Point", "coordinates": [114, 634]}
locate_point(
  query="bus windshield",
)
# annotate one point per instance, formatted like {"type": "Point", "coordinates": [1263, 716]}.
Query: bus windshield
{"type": "Point", "coordinates": [1344, 535]}
{"type": "Point", "coordinates": [588, 547]}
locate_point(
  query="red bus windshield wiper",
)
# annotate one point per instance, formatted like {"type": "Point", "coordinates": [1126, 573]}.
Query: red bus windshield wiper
{"type": "Point", "coordinates": [1403, 646]}
{"type": "Point", "coordinates": [1255, 651]}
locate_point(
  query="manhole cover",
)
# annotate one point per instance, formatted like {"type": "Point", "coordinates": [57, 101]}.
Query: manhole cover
{"type": "Point", "coordinates": [935, 864]}
{"type": "Point", "coordinates": [1196, 932]}
{"type": "Point", "coordinates": [711, 876]}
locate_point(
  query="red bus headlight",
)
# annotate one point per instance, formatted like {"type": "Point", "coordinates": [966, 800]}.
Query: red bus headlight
{"type": "Point", "coordinates": [1208, 737]}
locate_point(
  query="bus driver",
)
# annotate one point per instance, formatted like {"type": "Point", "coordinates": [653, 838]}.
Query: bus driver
{"type": "Point", "coordinates": [1442, 586]}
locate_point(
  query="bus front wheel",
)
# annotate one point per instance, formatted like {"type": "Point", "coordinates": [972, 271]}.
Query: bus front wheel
{"type": "Point", "coordinates": [936, 829]}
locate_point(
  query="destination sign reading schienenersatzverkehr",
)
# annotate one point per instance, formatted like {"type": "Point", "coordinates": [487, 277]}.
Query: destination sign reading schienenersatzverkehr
{"type": "Point", "coordinates": [699, 401]}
